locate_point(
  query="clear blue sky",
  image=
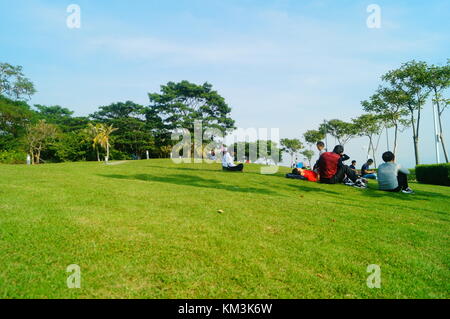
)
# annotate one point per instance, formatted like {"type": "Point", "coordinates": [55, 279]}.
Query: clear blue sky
{"type": "Point", "coordinates": [286, 64]}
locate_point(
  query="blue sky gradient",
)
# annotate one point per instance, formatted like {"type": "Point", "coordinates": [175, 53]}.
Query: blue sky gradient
{"type": "Point", "coordinates": [286, 64]}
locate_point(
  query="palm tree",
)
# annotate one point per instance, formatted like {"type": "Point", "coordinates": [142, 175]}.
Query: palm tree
{"type": "Point", "coordinates": [103, 137]}
{"type": "Point", "coordinates": [93, 131]}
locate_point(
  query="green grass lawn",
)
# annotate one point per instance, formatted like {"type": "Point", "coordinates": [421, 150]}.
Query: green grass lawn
{"type": "Point", "coordinates": [151, 229]}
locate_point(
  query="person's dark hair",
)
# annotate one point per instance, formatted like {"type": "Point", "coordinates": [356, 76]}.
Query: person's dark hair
{"type": "Point", "coordinates": [295, 171]}
{"type": "Point", "coordinates": [321, 144]}
{"type": "Point", "coordinates": [338, 149]}
{"type": "Point", "coordinates": [370, 161]}
{"type": "Point", "coordinates": [353, 161]}
{"type": "Point", "coordinates": [388, 156]}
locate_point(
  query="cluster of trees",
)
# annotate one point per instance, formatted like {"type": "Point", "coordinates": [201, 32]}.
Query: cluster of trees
{"type": "Point", "coordinates": [54, 134]}
{"type": "Point", "coordinates": [266, 151]}
{"type": "Point", "coordinates": [397, 104]}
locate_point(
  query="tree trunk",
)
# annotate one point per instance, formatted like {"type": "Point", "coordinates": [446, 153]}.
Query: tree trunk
{"type": "Point", "coordinates": [98, 154]}
{"type": "Point", "coordinates": [416, 149]}
{"type": "Point", "coordinates": [441, 133]}
{"type": "Point", "coordinates": [441, 136]}
{"type": "Point", "coordinates": [107, 153]}
{"type": "Point", "coordinates": [415, 140]}
{"type": "Point", "coordinates": [373, 153]}
{"type": "Point", "coordinates": [415, 137]}
{"type": "Point", "coordinates": [395, 138]}
{"type": "Point", "coordinates": [387, 138]}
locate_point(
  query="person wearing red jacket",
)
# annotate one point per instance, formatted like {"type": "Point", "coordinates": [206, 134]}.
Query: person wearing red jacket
{"type": "Point", "coordinates": [307, 174]}
{"type": "Point", "coordinates": [332, 169]}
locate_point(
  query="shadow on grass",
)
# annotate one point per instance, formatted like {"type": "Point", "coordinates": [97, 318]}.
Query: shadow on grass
{"type": "Point", "coordinates": [374, 192]}
{"type": "Point", "coordinates": [394, 200]}
{"type": "Point", "coordinates": [216, 168]}
{"type": "Point", "coordinates": [189, 169]}
{"type": "Point", "coordinates": [193, 181]}
{"type": "Point", "coordinates": [304, 188]}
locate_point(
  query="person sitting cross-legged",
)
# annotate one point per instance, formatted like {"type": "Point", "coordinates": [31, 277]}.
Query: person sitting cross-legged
{"type": "Point", "coordinates": [366, 172]}
{"type": "Point", "coordinates": [333, 171]}
{"type": "Point", "coordinates": [392, 177]}
{"type": "Point", "coordinates": [228, 163]}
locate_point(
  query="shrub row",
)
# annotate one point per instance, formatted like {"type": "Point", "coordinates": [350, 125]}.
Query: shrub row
{"type": "Point", "coordinates": [13, 157]}
{"type": "Point", "coordinates": [438, 174]}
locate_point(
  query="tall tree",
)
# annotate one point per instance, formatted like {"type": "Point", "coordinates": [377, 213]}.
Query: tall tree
{"type": "Point", "coordinates": [133, 136]}
{"type": "Point", "coordinates": [14, 118]}
{"type": "Point", "coordinates": [104, 137]}
{"type": "Point", "coordinates": [309, 155]}
{"type": "Point", "coordinates": [181, 104]}
{"type": "Point", "coordinates": [62, 117]}
{"type": "Point", "coordinates": [14, 84]}
{"type": "Point", "coordinates": [313, 136]}
{"type": "Point", "coordinates": [390, 105]}
{"type": "Point", "coordinates": [370, 126]}
{"type": "Point", "coordinates": [438, 80]}
{"type": "Point", "coordinates": [291, 146]}
{"type": "Point", "coordinates": [38, 138]}
{"type": "Point", "coordinates": [342, 131]}
{"type": "Point", "coordinates": [411, 80]}
{"type": "Point", "coordinates": [92, 131]}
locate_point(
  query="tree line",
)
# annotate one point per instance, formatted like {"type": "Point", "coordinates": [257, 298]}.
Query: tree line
{"type": "Point", "coordinates": [398, 103]}
{"type": "Point", "coordinates": [122, 130]}
{"type": "Point", "coordinates": [127, 130]}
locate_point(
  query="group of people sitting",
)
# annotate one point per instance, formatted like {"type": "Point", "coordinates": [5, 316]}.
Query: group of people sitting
{"type": "Point", "coordinates": [365, 172]}
{"type": "Point", "coordinates": [330, 169]}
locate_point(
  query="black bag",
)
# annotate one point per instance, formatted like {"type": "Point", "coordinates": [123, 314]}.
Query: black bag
{"type": "Point", "coordinates": [295, 176]}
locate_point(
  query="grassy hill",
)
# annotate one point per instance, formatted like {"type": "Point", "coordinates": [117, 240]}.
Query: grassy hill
{"type": "Point", "coordinates": [151, 229]}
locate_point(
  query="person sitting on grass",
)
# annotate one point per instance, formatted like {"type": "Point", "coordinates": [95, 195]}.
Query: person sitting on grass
{"type": "Point", "coordinates": [228, 163]}
{"type": "Point", "coordinates": [392, 177]}
{"type": "Point", "coordinates": [321, 147]}
{"type": "Point", "coordinates": [333, 171]}
{"type": "Point", "coordinates": [353, 166]}
{"type": "Point", "coordinates": [366, 172]}
{"type": "Point", "coordinates": [307, 174]}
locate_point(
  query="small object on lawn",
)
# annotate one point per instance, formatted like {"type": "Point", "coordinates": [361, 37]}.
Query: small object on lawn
{"type": "Point", "coordinates": [220, 211]}
{"type": "Point", "coordinates": [334, 220]}
{"type": "Point", "coordinates": [319, 275]}
{"type": "Point", "coordinates": [302, 196]}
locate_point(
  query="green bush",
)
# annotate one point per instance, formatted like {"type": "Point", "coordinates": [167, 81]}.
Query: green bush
{"type": "Point", "coordinates": [13, 157]}
{"type": "Point", "coordinates": [438, 174]}
{"type": "Point", "coordinates": [116, 155]}
{"type": "Point", "coordinates": [412, 175]}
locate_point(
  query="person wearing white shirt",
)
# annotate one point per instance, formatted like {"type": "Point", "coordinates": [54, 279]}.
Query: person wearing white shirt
{"type": "Point", "coordinates": [228, 163]}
